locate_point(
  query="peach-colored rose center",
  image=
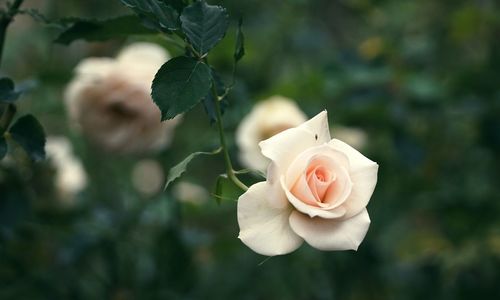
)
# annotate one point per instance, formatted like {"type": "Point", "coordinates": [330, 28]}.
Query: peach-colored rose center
{"type": "Point", "coordinates": [324, 183]}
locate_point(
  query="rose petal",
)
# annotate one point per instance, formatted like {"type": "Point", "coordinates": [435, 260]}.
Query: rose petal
{"type": "Point", "coordinates": [356, 160]}
{"type": "Point", "coordinates": [339, 191]}
{"type": "Point", "coordinates": [363, 174]}
{"type": "Point", "coordinates": [264, 228]}
{"type": "Point", "coordinates": [284, 147]}
{"type": "Point", "coordinates": [277, 197]}
{"type": "Point", "coordinates": [312, 211]}
{"type": "Point", "coordinates": [325, 234]}
{"type": "Point", "coordinates": [331, 158]}
{"type": "Point", "coordinates": [300, 163]}
{"type": "Point", "coordinates": [302, 191]}
{"type": "Point", "coordinates": [318, 126]}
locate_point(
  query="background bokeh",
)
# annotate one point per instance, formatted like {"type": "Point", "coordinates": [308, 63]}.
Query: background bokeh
{"type": "Point", "coordinates": [421, 78]}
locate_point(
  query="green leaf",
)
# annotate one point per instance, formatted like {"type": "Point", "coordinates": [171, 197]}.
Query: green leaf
{"type": "Point", "coordinates": [239, 50]}
{"type": "Point", "coordinates": [176, 171]}
{"type": "Point", "coordinates": [204, 25]}
{"type": "Point", "coordinates": [179, 85]}
{"type": "Point", "coordinates": [7, 90]}
{"type": "Point", "coordinates": [156, 14]}
{"type": "Point", "coordinates": [29, 134]}
{"type": "Point", "coordinates": [93, 30]}
{"type": "Point", "coordinates": [177, 4]}
{"type": "Point", "coordinates": [3, 147]}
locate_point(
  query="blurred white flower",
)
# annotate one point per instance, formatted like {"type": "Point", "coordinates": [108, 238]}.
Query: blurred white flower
{"type": "Point", "coordinates": [70, 177]}
{"type": "Point", "coordinates": [109, 101]}
{"type": "Point", "coordinates": [148, 177]}
{"type": "Point", "coordinates": [188, 192]}
{"type": "Point", "coordinates": [266, 119]}
{"type": "Point", "coordinates": [355, 137]}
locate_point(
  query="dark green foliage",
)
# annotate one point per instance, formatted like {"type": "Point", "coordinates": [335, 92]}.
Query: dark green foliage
{"type": "Point", "coordinates": [204, 25]}
{"type": "Point", "coordinates": [29, 134]}
{"type": "Point", "coordinates": [179, 85]}
{"type": "Point", "coordinates": [155, 14]}
{"type": "Point", "coordinates": [102, 30]}
{"type": "Point", "coordinates": [14, 202]}
{"type": "Point", "coordinates": [3, 147]}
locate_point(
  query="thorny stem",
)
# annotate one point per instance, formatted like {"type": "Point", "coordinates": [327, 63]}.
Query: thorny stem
{"type": "Point", "coordinates": [229, 167]}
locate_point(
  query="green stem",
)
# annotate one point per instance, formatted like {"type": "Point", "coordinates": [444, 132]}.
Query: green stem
{"type": "Point", "coordinates": [5, 20]}
{"type": "Point", "coordinates": [229, 167]}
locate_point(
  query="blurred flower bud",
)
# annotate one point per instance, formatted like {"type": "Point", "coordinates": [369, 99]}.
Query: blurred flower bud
{"type": "Point", "coordinates": [148, 177]}
{"type": "Point", "coordinates": [353, 136]}
{"type": "Point", "coordinates": [70, 177]}
{"type": "Point", "coordinates": [109, 101]}
{"type": "Point", "coordinates": [190, 193]}
{"type": "Point", "coordinates": [266, 119]}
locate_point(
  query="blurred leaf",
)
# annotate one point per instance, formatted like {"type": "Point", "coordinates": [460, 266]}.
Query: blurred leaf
{"type": "Point", "coordinates": [208, 101]}
{"type": "Point", "coordinates": [103, 29]}
{"type": "Point", "coordinates": [176, 171]}
{"type": "Point", "coordinates": [204, 25]}
{"type": "Point", "coordinates": [7, 90]}
{"type": "Point", "coordinates": [29, 134]}
{"type": "Point", "coordinates": [155, 13]}
{"type": "Point", "coordinates": [3, 147]}
{"type": "Point", "coordinates": [239, 50]}
{"type": "Point", "coordinates": [179, 85]}
{"type": "Point", "coordinates": [63, 23]}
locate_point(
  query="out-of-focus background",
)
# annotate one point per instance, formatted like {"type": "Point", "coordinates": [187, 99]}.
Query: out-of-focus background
{"type": "Point", "coordinates": [419, 80]}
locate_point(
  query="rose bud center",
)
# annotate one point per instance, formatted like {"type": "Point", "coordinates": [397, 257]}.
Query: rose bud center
{"type": "Point", "coordinates": [324, 183]}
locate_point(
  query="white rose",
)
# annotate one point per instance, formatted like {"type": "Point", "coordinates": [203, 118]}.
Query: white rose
{"type": "Point", "coordinates": [109, 99]}
{"type": "Point", "coordinates": [267, 118]}
{"type": "Point", "coordinates": [70, 177]}
{"type": "Point", "coordinates": [317, 190]}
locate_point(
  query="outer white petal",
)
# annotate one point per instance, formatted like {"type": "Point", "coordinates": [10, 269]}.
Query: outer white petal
{"type": "Point", "coordinates": [285, 146]}
{"type": "Point", "coordinates": [318, 125]}
{"type": "Point", "coordinates": [363, 173]}
{"type": "Point", "coordinates": [357, 160]}
{"type": "Point", "coordinates": [263, 228]}
{"type": "Point", "coordinates": [267, 118]}
{"type": "Point", "coordinates": [327, 234]}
